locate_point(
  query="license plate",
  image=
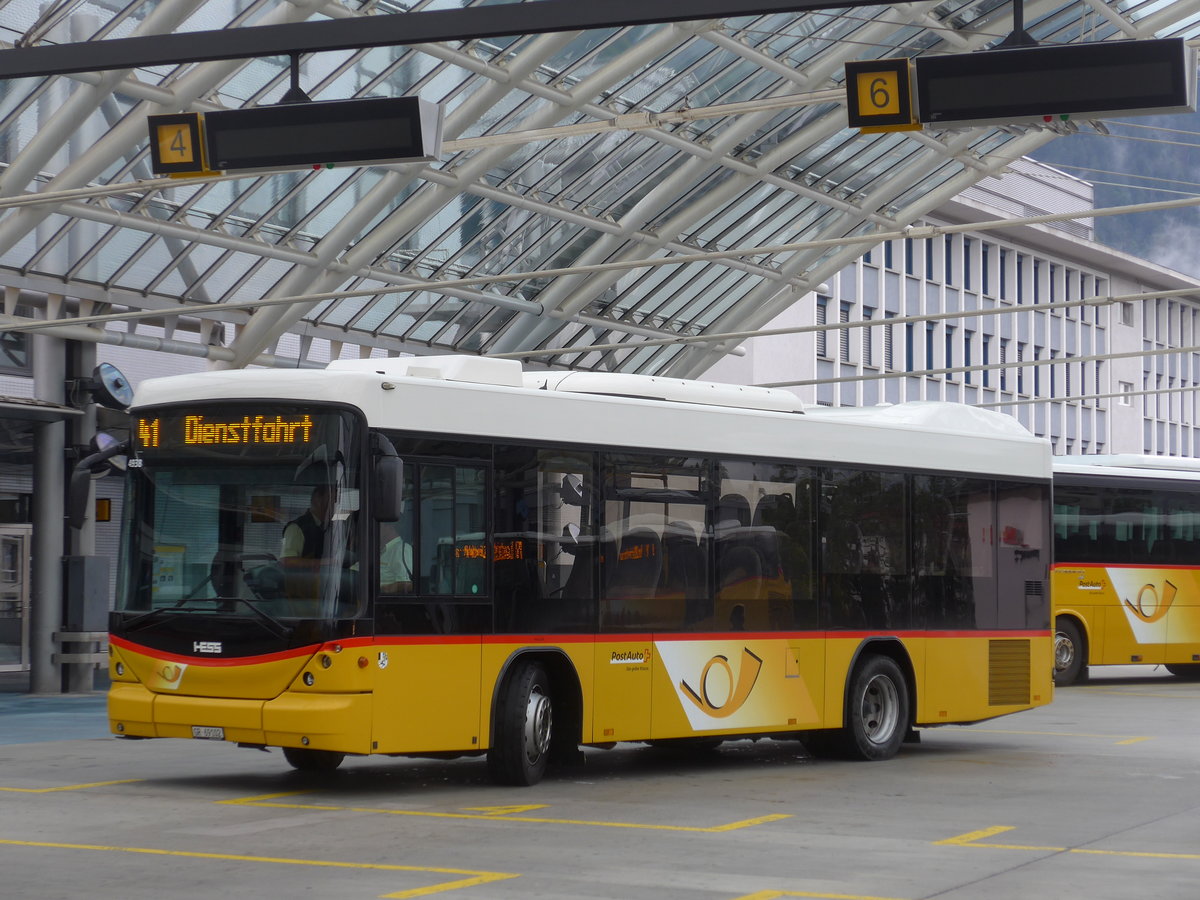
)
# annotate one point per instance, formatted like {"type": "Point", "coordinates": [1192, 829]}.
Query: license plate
{"type": "Point", "coordinates": [208, 732]}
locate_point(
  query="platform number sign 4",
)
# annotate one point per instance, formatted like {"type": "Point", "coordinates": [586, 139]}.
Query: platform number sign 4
{"type": "Point", "coordinates": [176, 147]}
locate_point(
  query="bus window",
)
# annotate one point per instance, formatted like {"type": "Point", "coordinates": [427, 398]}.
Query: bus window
{"type": "Point", "coordinates": [953, 552]}
{"type": "Point", "coordinates": [656, 576]}
{"type": "Point", "coordinates": [546, 547]}
{"type": "Point", "coordinates": [764, 557]}
{"type": "Point", "coordinates": [1022, 557]}
{"type": "Point", "coordinates": [433, 566]}
{"type": "Point", "coordinates": [864, 558]}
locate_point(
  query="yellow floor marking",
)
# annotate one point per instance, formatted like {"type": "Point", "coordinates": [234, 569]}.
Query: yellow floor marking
{"type": "Point", "coordinates": [475, 878]}
{"type": "Point", "coordinates": [68, 787]}
{"type": "Point", "coordinates": [1134, 740]}
{"type": "Point", "coordinates": [271, 801]}
{"type": "Point", "coordinates": [975, 839]}
{"type": "Point", "coordinates": [771, 895]}
{"type": "Point", "coordinates": [505, 810]}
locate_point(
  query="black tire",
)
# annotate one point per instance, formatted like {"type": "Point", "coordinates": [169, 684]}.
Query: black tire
{"type": "Point", "coordinates": [877, 711]}
{"type": "Point", "coordinates": [524, 727]}
{"type": "Point", "coordinates": [1190, 671]}
{"type": "Point", "coordinates": [1070, 653]}
{"type": "Point", "coordinates": [307, 760]}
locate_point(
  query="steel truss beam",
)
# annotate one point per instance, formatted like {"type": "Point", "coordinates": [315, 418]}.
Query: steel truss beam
{"type": "Point", "coordinates": [500, 20]}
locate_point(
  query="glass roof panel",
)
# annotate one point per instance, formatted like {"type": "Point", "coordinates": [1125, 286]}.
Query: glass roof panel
{"type": "Point", "coordinates": [619, 189]}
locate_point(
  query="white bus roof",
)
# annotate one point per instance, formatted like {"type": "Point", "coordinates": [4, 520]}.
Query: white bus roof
{"type": "Point", "coordinates": [1129, 465]}
{"type": "Point", "coordinates": [495, 399]}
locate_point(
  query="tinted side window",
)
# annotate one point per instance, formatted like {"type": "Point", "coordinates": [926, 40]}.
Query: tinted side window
{"type": "Point", "coordinates": [864, 549]}
{"type": "Point", "coordinates": [1022, 557]}
{"type": "Point", "coordinates": [763, 532]}
{"type": "Point", "coordinates": [654, 543]}
{"type": "Point", "coordinates": [546, 548]}
{"type": "Point", "coordinates": [954, 556]}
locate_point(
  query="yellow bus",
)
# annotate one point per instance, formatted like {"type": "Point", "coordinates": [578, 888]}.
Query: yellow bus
{"type": "Point", "coordinates": [450, 555]}
{"type": "Point", "coordinates": [1126, 576]}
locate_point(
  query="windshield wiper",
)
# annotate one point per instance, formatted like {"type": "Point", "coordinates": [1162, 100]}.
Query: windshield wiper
{"type": "Point", "coordinates": [273, 624]}
{"type": "Point", "coordinates": [147, 617]}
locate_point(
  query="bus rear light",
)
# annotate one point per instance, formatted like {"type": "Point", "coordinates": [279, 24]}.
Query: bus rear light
{"type": "Point", "coordinates": [309, 679]}
{"type": "Point", "coordinates": [120, 668]}
{"type": "Point", "coordinates": [326, 661]}
{"type": "Point", "coordinates": [363, 662]}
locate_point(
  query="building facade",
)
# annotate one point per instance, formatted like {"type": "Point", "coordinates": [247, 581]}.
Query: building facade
{"type": "Point", "coordinates": [1017, 316]}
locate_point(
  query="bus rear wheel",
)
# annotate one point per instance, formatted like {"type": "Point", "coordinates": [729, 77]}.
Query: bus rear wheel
{"type": "Point", "coordinates": [877, 717]}
{"type": "Point", "coordinates": [524, 730]}
{"type": "Point", "coordinates": [1068, 652]}
{"type": "Point", "coordinates": [308, 760]}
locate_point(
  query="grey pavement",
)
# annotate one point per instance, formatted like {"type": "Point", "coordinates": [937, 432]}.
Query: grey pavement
{"type": "Point", "coordinates": [27, 718]}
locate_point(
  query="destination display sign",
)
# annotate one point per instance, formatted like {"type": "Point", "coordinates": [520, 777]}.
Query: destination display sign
{"type": "Point", "coordinates": [242, 429]}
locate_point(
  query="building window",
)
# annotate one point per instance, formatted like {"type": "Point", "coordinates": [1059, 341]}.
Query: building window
{"type": "Point", "coordinates": [968, 337]}
{"type": "Point", "coordinates": [844, 334]}
{"type": "Point", "coordinates": [822, 318]}
{"type": "Point", "coordinates": [1003, 362]}
{"type": "Point", "coordinates": [888, 361]}
{"type": "Point", "coordinates": [948, 362]}
{"type": "Point", "coordinates": [14, 353]}
{"type": "Point", "coordinates": [986, 373]}
{"type": "Point", "coordinates": [1126, 390]}
{"type": "Point", "coordinates": [868, 350]}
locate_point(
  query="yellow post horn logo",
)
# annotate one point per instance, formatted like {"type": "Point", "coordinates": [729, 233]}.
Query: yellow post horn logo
{"type": "Point", "coordinates": [740, 687]}
{"type": "Point", "coordinates": [1156, 608]}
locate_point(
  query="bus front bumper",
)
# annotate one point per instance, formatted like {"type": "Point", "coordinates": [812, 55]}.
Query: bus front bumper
{"type": "Point", "coordinates": [340, 722]}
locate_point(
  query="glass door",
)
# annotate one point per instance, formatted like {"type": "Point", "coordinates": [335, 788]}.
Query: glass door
{"type": "Point", "coordinates": [14, 597]}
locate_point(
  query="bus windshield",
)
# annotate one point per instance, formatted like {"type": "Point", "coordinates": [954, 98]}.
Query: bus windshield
{"type": "Point", "coordinates": [248, 510]}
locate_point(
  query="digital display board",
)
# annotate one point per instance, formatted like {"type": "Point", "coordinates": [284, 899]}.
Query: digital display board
{"type": "Point", "coordinates": [267, 429]}
{"type": "Point", "coordinates": [1090, 80]}
{"type": "Point", "coordinates": [336, 132]}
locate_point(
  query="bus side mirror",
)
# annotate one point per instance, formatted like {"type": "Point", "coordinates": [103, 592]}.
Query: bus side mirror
{"type": "Point", "coordinates": [81, 480]}
{"type": "Point", "coordinates": [388, 488]}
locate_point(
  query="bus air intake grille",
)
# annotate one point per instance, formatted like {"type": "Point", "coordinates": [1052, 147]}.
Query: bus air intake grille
{"type": "Point", "coordinates": [1008, 673]}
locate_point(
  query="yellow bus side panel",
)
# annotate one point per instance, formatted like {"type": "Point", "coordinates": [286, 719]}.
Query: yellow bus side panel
{"type": "Point", "coordinates": [622, 690]}
{"type": "Point", "coordinates": [427, 697]}
{"type": "Point", "coordinates": [969, 679]}
{"type": "Point", "coordinates": [736, 685]}
{"type": "Point", "coordinates": [1133, 614]}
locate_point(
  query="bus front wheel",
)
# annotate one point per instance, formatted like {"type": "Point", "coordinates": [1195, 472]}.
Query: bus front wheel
{"type": "Point", "coordinates": [1068, 652]}
{"type": "Point", "coordinates": [877, 716]}
{"type": "Point", "coordinates": [524, 728]}
{"type": "Point", "coordinates": [308, 760]}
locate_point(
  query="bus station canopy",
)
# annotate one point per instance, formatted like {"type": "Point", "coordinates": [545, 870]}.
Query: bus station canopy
{"type": "Point", "coordinates": [571, 158]}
